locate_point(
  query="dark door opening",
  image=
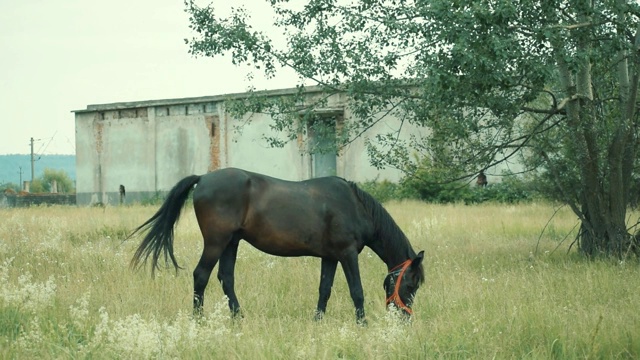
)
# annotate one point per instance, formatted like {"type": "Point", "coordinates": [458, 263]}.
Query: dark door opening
{"type": "Point", "coordinates": [322, 145]}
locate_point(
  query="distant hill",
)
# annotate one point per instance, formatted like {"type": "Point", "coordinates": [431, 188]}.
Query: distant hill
{"type": "Point", "coordinates": [10, 166]}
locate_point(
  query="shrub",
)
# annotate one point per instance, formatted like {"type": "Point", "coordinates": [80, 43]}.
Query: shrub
{"type": "Point", "coordinates": [10, 187]}
{"type": "Point", "coordinates": [512, 189]}
{"type": "Point", "coordinates": [64, 182]}
{"type": "Point", "coordinates": [383, 191]}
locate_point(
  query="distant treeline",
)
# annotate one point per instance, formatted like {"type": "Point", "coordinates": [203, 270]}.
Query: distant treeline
{"type": "Point", "coordinates": [12, 165]}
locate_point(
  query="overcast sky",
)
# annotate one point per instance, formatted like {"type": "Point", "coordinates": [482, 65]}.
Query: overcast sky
{"type": "Point", "coordinates": [62, 55]}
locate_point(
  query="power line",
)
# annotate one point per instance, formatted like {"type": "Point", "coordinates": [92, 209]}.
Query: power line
{"type": "Point", "coordinates": [47, 145]}
{"type": "Point", "coordinates": [40, 151]}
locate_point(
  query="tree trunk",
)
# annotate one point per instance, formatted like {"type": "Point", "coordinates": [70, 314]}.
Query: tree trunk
{"type": "Point", "coordinates": [607, 242]}
{"type": "Point", "coordinates": [605, 180]}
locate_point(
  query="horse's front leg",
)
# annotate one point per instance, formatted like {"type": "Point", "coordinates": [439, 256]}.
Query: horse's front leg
{"type": "Point", "coordinates": [352, 273]}
{"type": "Point", "coordinates": [327, 274]}
{"type": "Point", "coordinates": [226, 275]}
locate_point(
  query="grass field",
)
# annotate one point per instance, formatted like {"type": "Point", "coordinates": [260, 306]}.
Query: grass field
{"type": "Point", "coordinates": [496, 288]}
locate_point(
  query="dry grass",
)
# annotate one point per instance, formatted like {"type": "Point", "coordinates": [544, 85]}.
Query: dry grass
{"type": "Point", "coordinates": [66, 292]}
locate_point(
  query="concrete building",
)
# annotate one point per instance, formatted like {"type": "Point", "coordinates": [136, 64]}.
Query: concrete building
{"type": "Point", "coordinates": [147, 146]}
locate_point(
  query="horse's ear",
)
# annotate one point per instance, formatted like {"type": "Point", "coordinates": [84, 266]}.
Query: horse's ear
{"type": "Point", "coordinates": [417, 260]}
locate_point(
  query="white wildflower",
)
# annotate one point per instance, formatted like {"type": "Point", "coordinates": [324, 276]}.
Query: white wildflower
{"type": "Point", "coordinates": [31, 339]}
{"type": "Point", "coordinates": [80, 311]}
{"type": "Point", "coordinates": [27, 294]}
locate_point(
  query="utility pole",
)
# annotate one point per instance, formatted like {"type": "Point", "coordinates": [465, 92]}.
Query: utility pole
{"type": "Point", "coordinates": [20, 172]}
{"type": "Point", "coordinates": [32, 162]}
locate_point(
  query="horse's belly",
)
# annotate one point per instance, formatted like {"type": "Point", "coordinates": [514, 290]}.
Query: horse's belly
{"type": "Point", "coordinates": [285, 246]}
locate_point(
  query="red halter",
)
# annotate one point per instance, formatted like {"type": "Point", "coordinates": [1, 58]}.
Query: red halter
{"type": "Point", "coordinates": [395, 297]}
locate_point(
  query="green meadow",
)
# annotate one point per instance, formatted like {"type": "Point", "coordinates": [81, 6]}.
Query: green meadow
{"type": "Point", "coordinates": [497, 287]}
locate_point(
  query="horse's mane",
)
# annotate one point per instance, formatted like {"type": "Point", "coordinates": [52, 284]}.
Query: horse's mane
{"type": "Point", "coordinates": [385, 227]}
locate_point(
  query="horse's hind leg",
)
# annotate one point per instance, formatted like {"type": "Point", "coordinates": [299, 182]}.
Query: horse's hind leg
{"type": "Point", "coordinates": [212, 251]}
{"type": "Point", "coordinates": [327, 274]}
{"type": "Point", "coordinates": [226, 274]}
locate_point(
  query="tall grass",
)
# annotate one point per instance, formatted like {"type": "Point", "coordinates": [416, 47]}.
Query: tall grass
{"type": "Point", "coordinates": [496, 288]}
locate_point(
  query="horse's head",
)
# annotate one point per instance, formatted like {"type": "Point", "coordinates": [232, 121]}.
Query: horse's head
{"type": "Point", "coordinates": [402, 282]}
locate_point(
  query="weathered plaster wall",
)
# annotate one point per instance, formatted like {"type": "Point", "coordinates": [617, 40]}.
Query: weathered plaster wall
{"type": "Point", "coordinates": [148, 146]}
{"type": "Point", "coordinates": [145, 149]}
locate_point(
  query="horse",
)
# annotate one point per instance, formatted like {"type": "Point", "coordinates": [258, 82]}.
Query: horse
{"type": "Point", "coordinates": [329, 217]}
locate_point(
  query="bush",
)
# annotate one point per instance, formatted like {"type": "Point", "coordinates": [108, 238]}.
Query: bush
{"type": "Point", "coordinates": [10, 187]}
{"type": "Point", "coordinates": [43, 183]}
{"type": "Point", "coordinates": [513, 189]}
{"type": "Point", "coordinates": [431, 185]}
{"type": "Point", "coordinates": [434, 192]}
{"type": "Point", "coordinates": [64, 182]}
{"type": "Point", "coordinates": [383, 191]}
{"type": "Point", "coordinates": [37, 186]}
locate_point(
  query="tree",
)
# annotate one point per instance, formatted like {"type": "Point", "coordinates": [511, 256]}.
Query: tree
{"type": "Point", "coordinates": [552, 82]}
{"type": "Point", "coordinates": [44, 183]}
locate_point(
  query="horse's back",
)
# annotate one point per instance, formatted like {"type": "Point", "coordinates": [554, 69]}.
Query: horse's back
{"type": "Point", "coordinates": [230, 182]}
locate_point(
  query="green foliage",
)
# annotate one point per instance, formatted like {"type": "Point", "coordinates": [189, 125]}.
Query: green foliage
{"type": "Point", "coordinates": [428, 189]}
{"type": "Point", "coordinates": [551, 83]}
{"type": "Point", "coordinates": [63, 181]}
{"type": "Point", "coordinates": [511, 189]}
{"type": "Point", "coordinates": [384, 191]}
{"type": "Point", "coordinates": [37, 186]}
{"type": "Point", "coordinates": [11, 322]}
{"type": "Point", "coordinates": [10, 187]}
{"type": "Point", "coordinates": [43, 183]}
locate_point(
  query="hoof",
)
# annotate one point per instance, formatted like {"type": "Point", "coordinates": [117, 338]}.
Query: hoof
{"type": "Point", "coordinates": [237, 315]}
{"type": "Point", "coordinates": [197, 313]}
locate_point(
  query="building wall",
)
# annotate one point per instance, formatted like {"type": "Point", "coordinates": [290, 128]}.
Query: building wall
{"type": "Point", "coordinates": [248, 149]}
{"type": "Point", "coordinates": [146, 149]}
{"type": "Point", "coordinates": [148, 146]}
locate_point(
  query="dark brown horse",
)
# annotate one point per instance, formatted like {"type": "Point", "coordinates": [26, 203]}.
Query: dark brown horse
{"type": "Point", "coordinates": [330, 218]}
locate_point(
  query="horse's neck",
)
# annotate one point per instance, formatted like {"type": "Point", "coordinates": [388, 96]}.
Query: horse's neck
{"type": "Point", "coordinates": [392, 254]}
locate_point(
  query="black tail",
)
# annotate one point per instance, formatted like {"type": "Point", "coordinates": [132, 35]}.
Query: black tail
{"type": "Point", "coordinates": [159, 239]}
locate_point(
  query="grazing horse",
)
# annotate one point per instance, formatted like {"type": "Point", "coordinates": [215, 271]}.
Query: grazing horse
{"type": "Point", "coordinates": [329, 218]}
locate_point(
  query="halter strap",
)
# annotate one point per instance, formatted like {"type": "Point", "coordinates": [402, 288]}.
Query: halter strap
{"type": "Point", "coordinates": [395, 297]}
